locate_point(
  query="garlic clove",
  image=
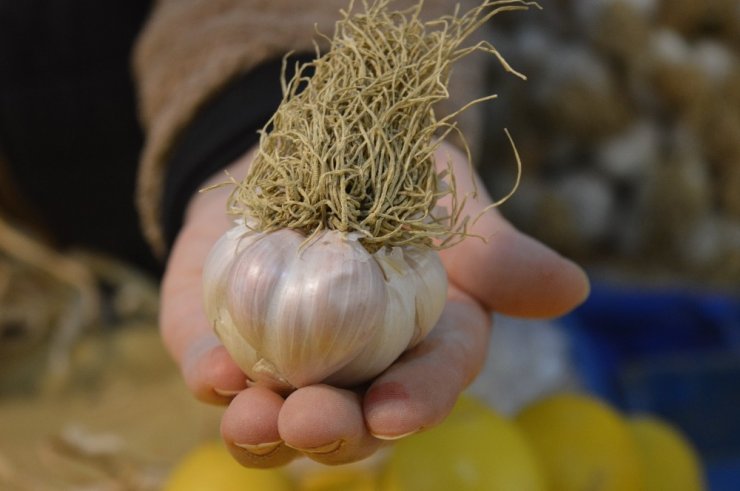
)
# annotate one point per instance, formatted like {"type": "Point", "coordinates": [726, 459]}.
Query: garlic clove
{"type": "Point", "coordinates": [217, 264]}
{"type": "Point", "coordinates": [306, 309]}
{"type": "Point", "coordinates": [255, 282]}
{"type": "Point", "coordinates": [430, 285]}
{"type": "Point", "coordinates": [333, 301]}
{"type": "Point", "coordinates": [215, 277]}
{"type": "Point", "coordinates": [393, 336]}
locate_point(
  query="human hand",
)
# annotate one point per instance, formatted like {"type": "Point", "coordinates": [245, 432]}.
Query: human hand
{"type": "Point", "coordinates": [510, 273]}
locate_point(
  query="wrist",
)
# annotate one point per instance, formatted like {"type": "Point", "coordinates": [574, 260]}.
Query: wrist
{"type": "Point", "coordinates": [208, 202]}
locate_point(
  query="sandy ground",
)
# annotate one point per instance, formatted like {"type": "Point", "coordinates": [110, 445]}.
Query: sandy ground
{"type": "Point", "coordinates": [121, 421]}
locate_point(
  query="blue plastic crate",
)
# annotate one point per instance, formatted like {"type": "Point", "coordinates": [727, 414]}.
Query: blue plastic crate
{"type": "Point", "coordinates": [674, 353]}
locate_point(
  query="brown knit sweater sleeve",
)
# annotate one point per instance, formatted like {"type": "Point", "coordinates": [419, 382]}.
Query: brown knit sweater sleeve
{"type": "Point", "coordinates": [190, 49]}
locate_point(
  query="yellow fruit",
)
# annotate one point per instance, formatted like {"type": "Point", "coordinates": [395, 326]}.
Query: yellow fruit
{"type": "Point", "coordinates": [210, 467]}
{"type": "Point", "coordinates": [474, 449]}
{"type": "Point", "coordinates": [339, 479]}
{"type": "Point", "coordinates": [668, 459]}
{"type": "Point", "coordinates": [583, 444]}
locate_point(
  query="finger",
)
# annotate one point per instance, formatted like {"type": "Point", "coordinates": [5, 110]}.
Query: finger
{"type": "Point", "coordinates": [420, 389]}
{"type": "Point", "coordinates": [207, 368]}
{"type": "Point", "coordinates": [326, 424]}
{"type": "Point", "coordinates": [210, 373]}
{"type": "Point", "coordinates": [515, 274]}
{"type": "Point", "coordinates": [502, 268]}
{"type": "Point", "coordinates": [250, 429]}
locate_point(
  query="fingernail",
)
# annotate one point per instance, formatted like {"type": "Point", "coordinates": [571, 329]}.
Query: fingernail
{"type": "Point", "coordinates": [321, 449]}
{"type": "Point", "coordinates": [394, 437]}
{"type": "Point", "coordinates": [260, 448]}
{"type": "Point", "coordinates": [226, 392]}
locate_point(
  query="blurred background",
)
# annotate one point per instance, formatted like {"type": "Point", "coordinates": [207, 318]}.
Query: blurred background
{"type": "Point", "coordinates": [629, 132]}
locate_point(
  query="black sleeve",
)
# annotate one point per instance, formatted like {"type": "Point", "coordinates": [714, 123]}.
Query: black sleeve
{"type": "Point", "coordinates": [222, 131]}
{"type": "Point", "coordinates": [69, 135]}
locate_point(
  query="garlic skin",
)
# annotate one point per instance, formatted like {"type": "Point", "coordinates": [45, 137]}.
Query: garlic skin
{"type": "Point", "coordinates": [293, 313]}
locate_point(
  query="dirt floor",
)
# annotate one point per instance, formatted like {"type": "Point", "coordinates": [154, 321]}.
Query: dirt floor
{"type": "Point", "coordinates": [120, 421]}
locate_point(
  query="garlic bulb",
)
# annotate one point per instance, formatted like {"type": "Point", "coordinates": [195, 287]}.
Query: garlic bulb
{"type": "Point", "coordinates": [293, 313]}
{"type": "Point", "coordinates": [351, 147]}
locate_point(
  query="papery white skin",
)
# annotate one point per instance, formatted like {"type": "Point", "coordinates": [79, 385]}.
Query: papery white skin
{"type": "Point", "coordinates": [293, 313]}
{"type": "Point", "coordinates": [306, 310]}
{"type": "Point", "coordinates": [430, 281]}
{"type": "Point", "coordinates": [397, 327]}
{"type": "Point", "coordinates": [215, 274]}
{"type": "Point", "coordinates": [218, 264]}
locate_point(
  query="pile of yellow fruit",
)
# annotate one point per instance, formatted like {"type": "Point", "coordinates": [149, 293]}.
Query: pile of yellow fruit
{"type": "Point", "coordinates": [567, 442]}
